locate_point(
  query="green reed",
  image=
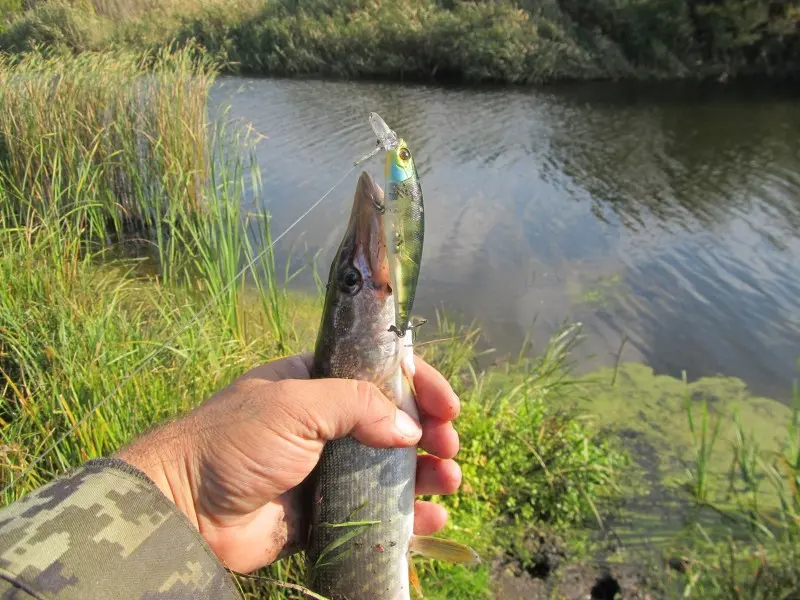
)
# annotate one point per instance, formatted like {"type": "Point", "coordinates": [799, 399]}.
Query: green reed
{"type": "Point", "coordinates": [513, 41]}
{"type": "Point", "coordinates": [121, 149]}
{"type": "Point", "coordinates": [103, 130]}
{"type": "Point", "coordinates": [102, 157]}
{"type": "Point", "coordinates": [705, 436]}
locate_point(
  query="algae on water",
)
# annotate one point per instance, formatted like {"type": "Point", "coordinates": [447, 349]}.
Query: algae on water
{"type": "Point", "coordinates": [654, 406]}
{"type": "Point", "coordinates": [648, 414]}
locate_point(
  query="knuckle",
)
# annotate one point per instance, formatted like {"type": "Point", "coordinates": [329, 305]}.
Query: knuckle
{"type": "Point", "coordinates": [372, 406]}
{"type": "Point", "coordinates": [244, 396]}
{"type": "Point", "coordinates": [365, 393]}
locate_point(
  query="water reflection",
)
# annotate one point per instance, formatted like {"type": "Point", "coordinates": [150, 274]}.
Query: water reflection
{"type": "Point", "coordinates": [702, 159]}
{"type": "Point", "coordinates": [685, 198]}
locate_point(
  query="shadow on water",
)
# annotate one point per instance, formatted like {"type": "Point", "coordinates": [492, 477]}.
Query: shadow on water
{"type": "Point", "coordinates": [665, 214]}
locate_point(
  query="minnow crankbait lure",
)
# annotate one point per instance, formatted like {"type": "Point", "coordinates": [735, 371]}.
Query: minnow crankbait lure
{"type": "Point", "coordinates": [404, 221]}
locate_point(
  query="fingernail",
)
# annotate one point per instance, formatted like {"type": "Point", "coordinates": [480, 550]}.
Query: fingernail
{"type": "Point", "coordinates": [456, 404]}
{"type": "Point", "coordinates": [406, 425]}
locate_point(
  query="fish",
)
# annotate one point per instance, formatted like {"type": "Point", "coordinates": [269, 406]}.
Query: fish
{"type": "Point", "coordinates": [362, 501]}
{"type": "Point", "coordinates": [404, 221]}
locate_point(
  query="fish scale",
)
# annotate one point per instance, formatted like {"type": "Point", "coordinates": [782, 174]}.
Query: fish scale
{"type": "Point", "coordinates": [375, 564]}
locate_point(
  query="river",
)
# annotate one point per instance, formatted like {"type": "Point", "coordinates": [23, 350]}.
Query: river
{"type": "Point", "coordinates": [667, 215]}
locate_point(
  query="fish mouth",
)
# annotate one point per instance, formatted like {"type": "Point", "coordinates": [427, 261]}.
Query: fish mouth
{"type": "Point", "coordinates": [365, 230]}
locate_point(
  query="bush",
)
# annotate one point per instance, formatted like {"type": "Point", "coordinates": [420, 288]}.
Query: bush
{"type": "Point", "coordinates": [55, 27]}
{"type": "Point", "coordinates": [524, 462]}
{"type": "Point", "coordinates": [514, 41]}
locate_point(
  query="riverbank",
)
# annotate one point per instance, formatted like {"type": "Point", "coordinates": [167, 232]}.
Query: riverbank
{"type": "Point", "coordinates": [511, 42]}
{"type": "Point", "coordinates": [100, 340]}
{"type": "Point", "coordinates": [121, 243]}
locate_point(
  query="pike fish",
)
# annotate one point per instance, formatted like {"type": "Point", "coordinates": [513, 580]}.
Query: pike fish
{"type": "Point", "coordinates": [362, 515]}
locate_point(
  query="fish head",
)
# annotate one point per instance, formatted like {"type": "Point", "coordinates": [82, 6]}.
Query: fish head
{"type": "Point", "coordinates": [399, 163]}
{"type": "Point", "coordinates": [354, 340]}
{"type": "Point", "coordinates": [361, 264]}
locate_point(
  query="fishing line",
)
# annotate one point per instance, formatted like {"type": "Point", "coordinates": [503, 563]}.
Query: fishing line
{"type": "Point", "coordinates": [27, 470]}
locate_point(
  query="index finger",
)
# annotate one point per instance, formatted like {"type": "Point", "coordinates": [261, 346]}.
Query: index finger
{"type": "Point", "coordinates": [435, 396]}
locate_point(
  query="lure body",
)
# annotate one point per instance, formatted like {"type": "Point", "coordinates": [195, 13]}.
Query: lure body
{"type": "Point", "coordinates": [404, 221]}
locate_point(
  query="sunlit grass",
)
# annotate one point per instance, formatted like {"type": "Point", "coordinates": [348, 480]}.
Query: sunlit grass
{"type": "Point", "coordinates": [102, 137]}
{"type": "Point", "coordinates": [704, 435]}
{"type": "Point", "coordinates": [100, 153]}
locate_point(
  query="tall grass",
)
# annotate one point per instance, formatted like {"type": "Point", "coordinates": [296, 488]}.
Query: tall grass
{"type": "Point", "coordinates": [9, 9]}
{"type": "Point", "coordinates": [124, 9]}
{"type": "Point", "coordinates": [705, 435]}
{"type": "Point", "coordinates": [101, 130]}
{"type": "Point", "coordinates": [99, 153]}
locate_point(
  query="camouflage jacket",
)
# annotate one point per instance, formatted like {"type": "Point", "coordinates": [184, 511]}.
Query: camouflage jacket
{"type": "Point", "coordinates": [105, 531]}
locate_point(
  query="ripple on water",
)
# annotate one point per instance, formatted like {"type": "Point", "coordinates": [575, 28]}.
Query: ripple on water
{"type": "Point", "coordinates": [688, 198]}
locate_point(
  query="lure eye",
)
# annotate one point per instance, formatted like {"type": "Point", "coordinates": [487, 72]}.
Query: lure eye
{"type": "Point", "coordinates": [405, 154]}
{"type": "Point", "coordinates": [350, 281]}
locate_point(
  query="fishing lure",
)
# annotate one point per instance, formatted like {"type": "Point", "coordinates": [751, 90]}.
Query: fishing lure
{"type": "Point", "coordinates": [404, 221]}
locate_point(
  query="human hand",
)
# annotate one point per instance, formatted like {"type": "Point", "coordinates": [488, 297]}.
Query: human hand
{"type": "Point", "coordinates": [235, 465]}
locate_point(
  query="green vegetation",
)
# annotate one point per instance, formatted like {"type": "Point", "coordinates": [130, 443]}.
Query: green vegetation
{"type": "Point", "coordinates": [98, 161]}
{"type": "Point", "coordinates": [724, 465]}
{"type": "Point", "coordinates": [516, 41]}
{"type": "Point", "coordinates": [10, 8]}
{"type": "Point", "coordinates": [526, 464]}
{"type": "Point", "coordinates": [121, 240]}
{"type": "Point", "coordinates": [753, 551]}
{"type": "Point", "coordinates": [524, 459]}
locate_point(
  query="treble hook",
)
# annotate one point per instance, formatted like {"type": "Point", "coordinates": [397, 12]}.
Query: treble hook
{"type": "Point", "coordinates": [401, 332]}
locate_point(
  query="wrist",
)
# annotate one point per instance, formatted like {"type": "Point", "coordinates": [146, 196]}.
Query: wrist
{"type": "Point", "coordinates": [166, 462]}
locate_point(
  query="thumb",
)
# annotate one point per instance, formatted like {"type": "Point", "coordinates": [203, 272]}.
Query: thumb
{"type": "Point", "coordinates": [341, 407]}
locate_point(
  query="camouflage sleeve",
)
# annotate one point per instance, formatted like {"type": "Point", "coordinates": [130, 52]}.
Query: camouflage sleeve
{"type": "Point", "coordinates": [105, 531]}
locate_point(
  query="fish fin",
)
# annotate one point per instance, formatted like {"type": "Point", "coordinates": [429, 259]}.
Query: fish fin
{"type": "Point", "coordinates": [413, 578]}
{"type": "Point", "coordinates": [446, 550]}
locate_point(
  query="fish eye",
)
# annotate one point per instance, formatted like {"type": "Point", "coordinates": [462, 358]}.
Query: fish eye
{"type": "Point", "coordinates": [350, 281]}
{"type": "Point", "coordinates": [405, 154]}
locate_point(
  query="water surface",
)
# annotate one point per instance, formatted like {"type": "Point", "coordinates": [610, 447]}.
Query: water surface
{"type": "Point", "coordinates": [665, 215]}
